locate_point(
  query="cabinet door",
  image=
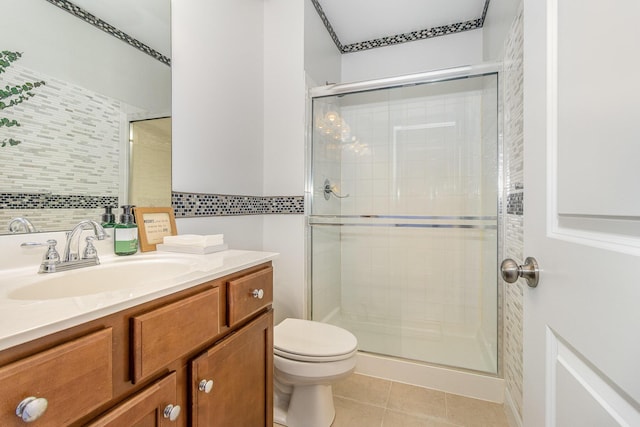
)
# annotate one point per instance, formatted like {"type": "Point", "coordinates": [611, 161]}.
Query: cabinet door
{"type": "Point", "coordinates": [74, 378]}
{"type": "Point", "coordinates": [146, 408]}
{"type": "Point", "coordinates": [241, 369]}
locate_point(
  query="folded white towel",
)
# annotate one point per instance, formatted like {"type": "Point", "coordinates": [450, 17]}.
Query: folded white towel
{"type": "Point", "coordinates": [194, 240]}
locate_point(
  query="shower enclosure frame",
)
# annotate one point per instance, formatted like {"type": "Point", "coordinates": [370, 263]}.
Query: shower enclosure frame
{"type": "Point", "coordinates": [443, 75]}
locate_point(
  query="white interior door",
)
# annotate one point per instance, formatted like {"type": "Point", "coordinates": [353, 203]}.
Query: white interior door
{"type": "Point", "coordinates": [582, 212]}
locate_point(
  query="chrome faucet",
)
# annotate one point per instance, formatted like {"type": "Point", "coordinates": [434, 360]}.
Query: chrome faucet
{"type": "Point", "coordinates": [19, 224]}
{"type": "Point", "coordinates": [52, 263]}
{"type": "Point", "coordinates": [70, 254]}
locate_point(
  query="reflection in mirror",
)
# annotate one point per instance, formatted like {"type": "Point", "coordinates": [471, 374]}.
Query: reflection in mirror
{"type": "Point", "coordinates": [150, 163]}
{"type": "Point", "coordinates": [74, 131]}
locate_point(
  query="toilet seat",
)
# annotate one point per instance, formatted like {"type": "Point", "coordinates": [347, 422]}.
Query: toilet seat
{"type": "Point", "coordinates": [310, 341]}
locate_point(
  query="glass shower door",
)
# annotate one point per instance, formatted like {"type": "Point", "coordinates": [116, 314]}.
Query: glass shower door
{"type": "Point", "coordinates": [404, 220]}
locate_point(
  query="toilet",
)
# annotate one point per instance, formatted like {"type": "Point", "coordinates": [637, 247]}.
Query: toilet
{"type": "Point", "coordinates": [308, 357]}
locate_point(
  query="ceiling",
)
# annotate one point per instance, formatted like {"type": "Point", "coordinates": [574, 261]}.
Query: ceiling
{"type": "Point", "coordinates": [354, 25]}
{"type": "Point", "coordinates": [148, 21]}
{"type": "Point", "coordinates": [364, 24]}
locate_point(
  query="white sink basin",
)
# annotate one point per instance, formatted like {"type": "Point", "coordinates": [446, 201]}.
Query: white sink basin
{"type": "Point", "coordinates": [108, 277]}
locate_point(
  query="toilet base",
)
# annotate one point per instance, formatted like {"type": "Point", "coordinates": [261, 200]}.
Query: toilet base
{"type": "Point", "coordinates": [307, 406]}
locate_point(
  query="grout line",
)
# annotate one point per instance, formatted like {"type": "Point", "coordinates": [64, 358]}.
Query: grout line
{"type": "Point", "coordinates": [446, 405]}
{"type": "Point", "coordinates": [386, 401]}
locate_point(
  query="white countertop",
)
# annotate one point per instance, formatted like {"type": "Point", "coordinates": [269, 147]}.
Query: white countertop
{"type": "Point", "coordinates": [23, 320]}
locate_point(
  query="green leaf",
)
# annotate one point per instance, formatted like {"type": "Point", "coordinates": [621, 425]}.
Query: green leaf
{"type": "Point", "coordinates": [19, 94]}
{"type": "Point", "coordinates": [12, 142]}
{"type": "Point", "coordinates": [8, 122]}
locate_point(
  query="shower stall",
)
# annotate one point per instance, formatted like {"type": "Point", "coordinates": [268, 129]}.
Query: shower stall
{"type": "Point", "coordinates": [403, 215]}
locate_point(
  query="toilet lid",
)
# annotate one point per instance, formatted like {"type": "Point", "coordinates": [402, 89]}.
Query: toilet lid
{"type": "Point", "coordinates": [307, 340]}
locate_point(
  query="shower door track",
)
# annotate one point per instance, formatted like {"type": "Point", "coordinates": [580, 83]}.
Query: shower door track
{"type": "Point", "coordinates": [467, 71]}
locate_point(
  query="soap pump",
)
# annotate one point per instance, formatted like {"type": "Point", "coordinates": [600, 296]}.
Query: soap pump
{"type": "Point", "coordinates": [125, 239]}
{"type": "Point", "coordinates": [108, 218]}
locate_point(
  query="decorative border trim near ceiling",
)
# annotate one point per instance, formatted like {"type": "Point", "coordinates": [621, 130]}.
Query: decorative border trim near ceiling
{"type": "Point", "coordinates": [78, 12]}
{"type": "Point", "coordinates": [401, 38]}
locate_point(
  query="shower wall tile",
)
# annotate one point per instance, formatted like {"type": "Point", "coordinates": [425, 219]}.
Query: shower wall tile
{"type": "Point", "coordinates": [409, 156]}
{"type": "Point", "coordinates": [514, 227]}
{"type": "Point", "coordinates": [326, 274]}
{"type": "Point", "coordinates": [391, 275]}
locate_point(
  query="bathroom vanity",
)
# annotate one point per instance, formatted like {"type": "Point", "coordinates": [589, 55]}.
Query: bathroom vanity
{"type": "Point", "coordinates": [197, 352]}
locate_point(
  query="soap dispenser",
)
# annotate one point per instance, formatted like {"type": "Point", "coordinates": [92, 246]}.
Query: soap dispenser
{"type": "Point", "coordinates": [125, 239]}
{"type": "Point", "coordinates": [108, 218]}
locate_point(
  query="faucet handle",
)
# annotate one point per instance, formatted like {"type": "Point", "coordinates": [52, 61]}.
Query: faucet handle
{"type": "Point", "coordinates": [52, 255]}
{"type": "Point", "coordinates": [51, 258]}
{"type": "Point", "coordinates": [90, 251]}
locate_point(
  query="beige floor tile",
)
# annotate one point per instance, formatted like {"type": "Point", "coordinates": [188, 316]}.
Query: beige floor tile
{"type": "Point", "coordinates": [398, 419]}
{"type": "Point", "coordinates": [475, 413]}
{"type": "Point", "coordinates": [350, 413]}
{"type": "Point", "coordinates": [370, 390]}
{"type": "Point", "coordinates": [417, 401]}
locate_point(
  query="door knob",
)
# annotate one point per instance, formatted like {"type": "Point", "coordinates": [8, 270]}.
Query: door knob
{"type": "Point", "coordinates": [511, 271]}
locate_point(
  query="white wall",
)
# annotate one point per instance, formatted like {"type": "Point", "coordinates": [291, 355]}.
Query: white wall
{"type": "Point", "coordinates": [500, 15]}
{"type": "Point", "coordinates": [218, 90]}
{"type": "Point", "coordinates": [83, 55]}
{"type": "Point", "coordinates": [431, 54]}
{"type": "Point", "coordinates": [322, 59]}
{"type": "Point", "coordinates": [284, 130]}
{"type": "Point", "coordinates": [218, 96]}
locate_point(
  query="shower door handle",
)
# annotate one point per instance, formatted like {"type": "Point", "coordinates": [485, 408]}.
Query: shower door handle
{"type": "Point", "coordinates": [511, 271]}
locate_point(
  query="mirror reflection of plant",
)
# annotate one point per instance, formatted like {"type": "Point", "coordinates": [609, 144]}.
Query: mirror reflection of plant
{"type": "Point", "coordinates": [12, 95]}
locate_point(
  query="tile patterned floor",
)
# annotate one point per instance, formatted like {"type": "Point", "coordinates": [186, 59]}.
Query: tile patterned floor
{"type": "Point", "coordinates": [363, 401]}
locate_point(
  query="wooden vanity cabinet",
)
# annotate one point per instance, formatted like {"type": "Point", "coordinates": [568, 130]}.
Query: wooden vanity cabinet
{"type": "Point", "coordinates": [74, 378]}
{"type": "Point", "coordinates": [240, 369]}
{"type": "Point", "coordinates": [171, 331]}
{"type": "Point", "coordinates": [150, 407]}
{"type": "Point", "coordinates": [127, 368]}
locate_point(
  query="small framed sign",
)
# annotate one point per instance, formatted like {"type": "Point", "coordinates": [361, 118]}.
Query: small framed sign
{"type": "Point", "coordinates": [153, 225]}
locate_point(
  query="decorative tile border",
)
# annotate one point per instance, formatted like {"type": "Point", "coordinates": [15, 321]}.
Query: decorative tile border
{"type": "Point", "coordinates": [401, 38]}
{"type": "Point", "coordinates": [185, 205]}
{"type": "Point", "coordinates": [413, 36]}
{"type": "Point", "coordinates": [515, 203]}
{"type": "Point", "coordinates": [109, 29]}
{"type": "Point", "coordinates": [327, 25]}
{"type": "Point", "coordinates": [191, 205]}
{"type": "Point", "coordinates": [54, 201]}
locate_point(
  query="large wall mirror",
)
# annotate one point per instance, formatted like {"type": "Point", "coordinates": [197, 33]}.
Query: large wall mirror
{"type": "Point", "coordinates": [77, 151]}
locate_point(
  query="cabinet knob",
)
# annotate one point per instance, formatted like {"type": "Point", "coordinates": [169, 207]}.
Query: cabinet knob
{"type": "Point", "coordinates": [172, 412]}
{"type": "Point", "coordinates": [258, 293]}
{"type": "Point", "coordinates": [31, 408]}
{"type": "Point", "coordinates": [205, 385]}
